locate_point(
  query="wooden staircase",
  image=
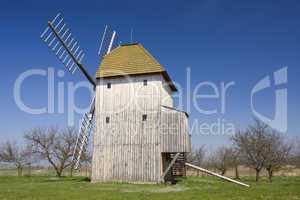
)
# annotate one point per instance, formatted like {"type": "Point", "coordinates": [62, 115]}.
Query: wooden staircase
{"type": "Point", "coordinates": [179, 168]}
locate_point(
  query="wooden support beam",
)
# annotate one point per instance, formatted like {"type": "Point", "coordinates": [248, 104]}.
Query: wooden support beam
{"type": "Point", "coordinates": [215, 174]}
{"type": "Point", "coordinates": [170, 166]}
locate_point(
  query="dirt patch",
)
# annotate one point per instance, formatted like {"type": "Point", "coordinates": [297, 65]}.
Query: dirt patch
{"type": "Point", "coordinates": [158, 190]}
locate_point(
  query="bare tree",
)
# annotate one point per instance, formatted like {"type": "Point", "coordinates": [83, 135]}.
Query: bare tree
{"type": "Point", "coordinates": [11, 153]}
{"type": "Point", "coordinates": [222, 159]}
{"type": "Point", "coordinates": [197, 156]}
{"type": "Point", "coordinates": [54, 145]}
{"type": "Point", "coordinates": [253, 146]}
{"type": "Point", "coordinates": [277, 154]}
{"type": "Point", "coordinates": [236, 161]}
{"type": "Point", "coordinates": [295, 157]}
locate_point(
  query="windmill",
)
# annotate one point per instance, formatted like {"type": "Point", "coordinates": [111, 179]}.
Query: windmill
{"type": "Point", "coordinates": [146, 144]}
{"type": "Point", "coordinates": [61, 41]}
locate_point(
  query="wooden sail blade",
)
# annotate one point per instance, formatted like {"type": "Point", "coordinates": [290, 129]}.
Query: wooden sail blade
{"type": "Point", "coordinates": [60, 40]}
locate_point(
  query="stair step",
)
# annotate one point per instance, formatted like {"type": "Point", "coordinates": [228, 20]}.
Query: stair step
{"type": "Point", "coordinates": [178, 168]}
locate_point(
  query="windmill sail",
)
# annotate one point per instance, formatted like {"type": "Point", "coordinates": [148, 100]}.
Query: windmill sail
{"type": "Point", "coordinates": [109, 41]}
{"type": "Point", "coordinates": [83, 136]}
{"type": "Point", "coordinates": [65, 46]}
{"type": "Point", "coordinates": [102, 40]}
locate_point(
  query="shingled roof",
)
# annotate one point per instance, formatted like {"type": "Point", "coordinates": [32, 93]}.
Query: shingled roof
{"type": "Point", "coordinates": [131, 59]}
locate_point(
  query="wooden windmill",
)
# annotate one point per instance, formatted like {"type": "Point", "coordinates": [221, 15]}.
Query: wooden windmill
{"type": "Point", "coordinates": [139, 136]}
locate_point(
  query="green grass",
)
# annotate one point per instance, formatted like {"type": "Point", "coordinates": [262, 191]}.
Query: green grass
{"type": "Point", "coordinates": [48, 188]}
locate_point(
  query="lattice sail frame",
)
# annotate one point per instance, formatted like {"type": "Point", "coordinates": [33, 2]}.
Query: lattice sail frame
{"type": "Point", "coordinates": [56, 45]}
{"type": "Point", "coordinates": [60, 40]}
{"type": "Point", "coordinates": [86, 129]}
{"type": "Point", "coordinates": [108, 41]}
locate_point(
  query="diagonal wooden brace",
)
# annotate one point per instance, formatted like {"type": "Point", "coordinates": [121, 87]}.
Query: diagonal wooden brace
{"type": "Point", "coordinates": [170, 166]}
{"type": "Point", "coordinates": [217, 175]}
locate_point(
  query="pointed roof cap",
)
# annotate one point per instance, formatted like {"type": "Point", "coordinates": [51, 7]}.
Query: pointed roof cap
{"type": "Point", "coordinates": [131, 59]}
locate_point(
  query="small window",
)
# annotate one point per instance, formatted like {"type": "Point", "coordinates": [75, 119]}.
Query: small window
{"type": "Point", "coordinates": [108, 85]}
{"type": "Point", "coordinates": [107, 120]}
{"type": "Point", "coordinates": [145, 82]}
{"type": "Point", "coordinates": [144, 117]}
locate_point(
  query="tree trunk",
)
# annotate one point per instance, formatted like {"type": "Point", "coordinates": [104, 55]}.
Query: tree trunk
{"type": "Point", "coordinates": [71, 170]}
{"type": "Point", "coordinates": [60, 169]}
{"type": "Point", "coordinates": [257, 175]}
{"type": "Point", "coordinates": [58, 172]}
{"type": "Point", "coordinates": [237, 174]}
{"type": "Point", "coordinates": [270, 172]}
{"type": "Point", "coordinates": [19, 171]}
{"type": "Point", "coordinates": [29, 169]}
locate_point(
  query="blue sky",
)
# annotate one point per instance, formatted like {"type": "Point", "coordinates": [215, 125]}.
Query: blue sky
{"type": "Point", "coordinates": [220, 41]}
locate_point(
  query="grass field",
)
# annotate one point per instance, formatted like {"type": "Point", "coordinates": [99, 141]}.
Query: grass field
{"type": "Point", "coordinates": [48, 188]}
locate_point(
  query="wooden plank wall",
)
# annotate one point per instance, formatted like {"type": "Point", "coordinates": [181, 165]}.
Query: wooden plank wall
{"type": "Point", "coordinates": [174, 131]}
{"type": "Point", "coordinates": [128, 149]}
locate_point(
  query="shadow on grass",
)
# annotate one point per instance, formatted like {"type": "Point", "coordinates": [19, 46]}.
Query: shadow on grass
{"type": "Point", "coordinates": [180, 179]}
{"type": "Point", "coordinates": [50, 179]}
{"type": "Point", "coordinates": [85, 179]}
